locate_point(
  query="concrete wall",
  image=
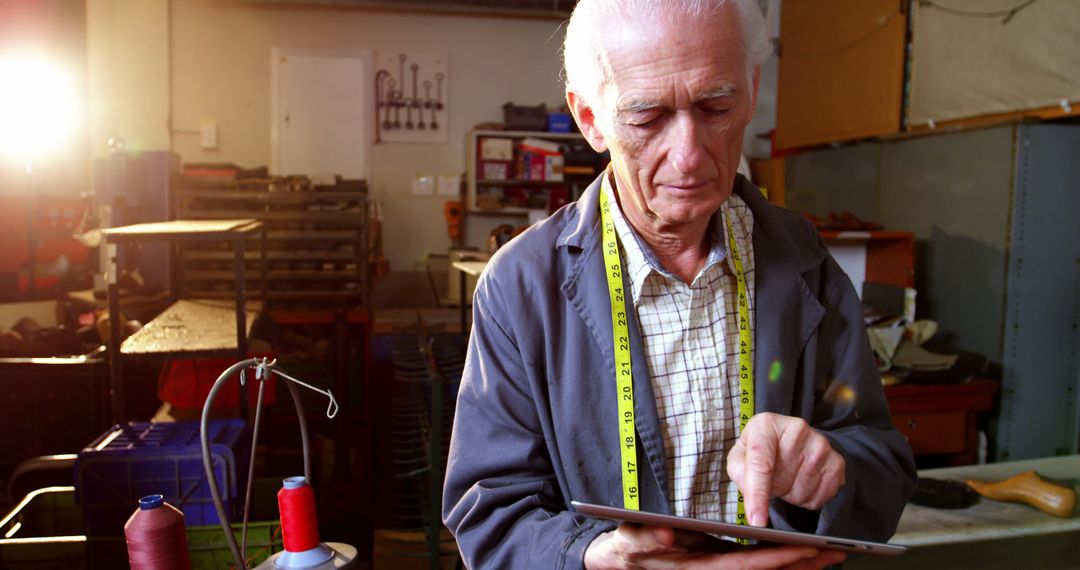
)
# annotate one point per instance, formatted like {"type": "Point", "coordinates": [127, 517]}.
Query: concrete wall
{"type": "Point", "coordinates": [128, 74]}
{"type": "Point", "coordinates": [954, 192]}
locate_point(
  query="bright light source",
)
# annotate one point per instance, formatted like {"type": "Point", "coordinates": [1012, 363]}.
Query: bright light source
{"type": "Point", "coordinates": [38, 106]}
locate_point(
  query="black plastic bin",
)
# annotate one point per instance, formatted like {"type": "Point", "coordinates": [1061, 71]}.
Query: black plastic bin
{"type": "Point", "coordinates": [51, 405]}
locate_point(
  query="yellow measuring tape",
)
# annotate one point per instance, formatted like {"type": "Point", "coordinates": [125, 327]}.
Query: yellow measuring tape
{"type": "Point", "coordinates": [624, 378]}
{"type": "Point", "coordinates": [746, 360]}
{"type": "Point", "coordinates": [621, 342]}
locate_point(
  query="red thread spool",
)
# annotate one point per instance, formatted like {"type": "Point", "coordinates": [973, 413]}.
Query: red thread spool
{"type": "Point", "coordinates": [299, 523]}
{"type": "Point", "coordinates": [156, 536]}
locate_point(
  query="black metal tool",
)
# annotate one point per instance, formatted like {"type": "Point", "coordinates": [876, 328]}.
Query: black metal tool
{"type": "Point", "coordinates": [397, 109]}
{"type": "Point", "coordinates": [943, 494]}
{"type": "Point", "coordinates": [388, 101]}
{"type": "Point", "coordinates": [438, 91]}
{"type": "Point", "coordinates": [380, 102]}
{"type": "Point", "coordinates": [415, 95]}
{"type": "Point", "coordinates": [420, 124]}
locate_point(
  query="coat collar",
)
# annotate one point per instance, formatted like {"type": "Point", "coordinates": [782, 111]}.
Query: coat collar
{"type": "Point", "coordinates": [585, 219]}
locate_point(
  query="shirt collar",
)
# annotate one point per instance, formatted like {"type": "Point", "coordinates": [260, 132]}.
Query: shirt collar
{"type": "Point", "coordinates": [640, 259]}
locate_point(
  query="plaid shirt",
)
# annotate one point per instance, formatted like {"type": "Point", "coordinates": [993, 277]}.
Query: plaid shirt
{"type": "Point", "coordinates": [690, 333]}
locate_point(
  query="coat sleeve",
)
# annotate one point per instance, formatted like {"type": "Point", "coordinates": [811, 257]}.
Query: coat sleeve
{"type": "Point", "coordinates": [501, 497]}
{"type": "Point", "coordinates": [851, 411]}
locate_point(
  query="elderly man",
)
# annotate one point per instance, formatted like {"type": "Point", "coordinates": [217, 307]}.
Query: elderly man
{"type": "Point", "coordinates": [664, 286]}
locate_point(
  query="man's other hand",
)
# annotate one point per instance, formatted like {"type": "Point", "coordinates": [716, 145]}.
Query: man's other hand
{"type": "Point", "coordinates": [781, 456]}
{"type": "Point", "coordinates": [647, 547]}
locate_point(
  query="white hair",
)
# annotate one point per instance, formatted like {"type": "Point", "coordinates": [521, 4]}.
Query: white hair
{"type": "Point", "coordinates": [583, 68]}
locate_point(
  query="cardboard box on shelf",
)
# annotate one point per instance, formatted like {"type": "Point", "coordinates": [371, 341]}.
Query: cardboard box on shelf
{"type": "Point", "coordinates": [494, 170]}
{"type": "Point", "coordinates": [489, 200]}
{"type": "Point", "coordinates": [496, 148]}
{"type": "Point", "coordinates": [553, 168]}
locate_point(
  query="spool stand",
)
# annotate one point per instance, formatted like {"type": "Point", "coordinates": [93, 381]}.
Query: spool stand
{"type": "Point", "coordinates": [324, 556]}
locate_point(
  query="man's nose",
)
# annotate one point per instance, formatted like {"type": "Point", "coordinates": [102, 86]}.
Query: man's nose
{"type": "Point", "coordinates": [686, 148]}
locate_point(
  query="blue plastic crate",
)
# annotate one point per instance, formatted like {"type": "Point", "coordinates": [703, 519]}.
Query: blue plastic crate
{"type": "Point", "coordinates": [139, 458]}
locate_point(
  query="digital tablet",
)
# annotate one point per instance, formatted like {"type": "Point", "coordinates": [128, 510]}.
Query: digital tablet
{"type": "Point", "coordinates": [739, 531]}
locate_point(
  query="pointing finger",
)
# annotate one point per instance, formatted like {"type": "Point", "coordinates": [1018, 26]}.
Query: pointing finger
{"type": "Point", "coordinates": [761, 447]}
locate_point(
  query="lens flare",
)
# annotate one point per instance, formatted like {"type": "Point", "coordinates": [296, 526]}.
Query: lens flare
{"type": "Point", "coordinates": [38, 106]}
{"type": "Point", "coordinates": [842, 393]}
{"type": "Point", "coordinates": [775, 370]}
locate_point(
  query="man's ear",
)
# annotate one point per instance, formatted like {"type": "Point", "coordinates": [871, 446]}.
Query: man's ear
{"type": "Point", "coordinates": [754, 93]}
{"type": "Point", "coordinates": [586, 120]}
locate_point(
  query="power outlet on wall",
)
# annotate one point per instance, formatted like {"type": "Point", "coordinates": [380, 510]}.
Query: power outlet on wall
{"type": "Point", "coordinates": [208, 135]}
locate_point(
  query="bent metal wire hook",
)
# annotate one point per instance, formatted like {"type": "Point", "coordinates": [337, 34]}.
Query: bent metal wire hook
{"type": "Point", "coordinates": [331, 409]}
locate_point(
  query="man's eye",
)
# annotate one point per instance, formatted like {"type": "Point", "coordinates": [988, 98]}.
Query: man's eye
{"type": "Point", "coordinates": [644, 121]}
{"type": "Point", "coordinates": [715, 111]}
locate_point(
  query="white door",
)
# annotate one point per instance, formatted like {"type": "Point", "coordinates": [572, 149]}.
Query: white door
{"type": "Point", "coordinates": [321, 113]}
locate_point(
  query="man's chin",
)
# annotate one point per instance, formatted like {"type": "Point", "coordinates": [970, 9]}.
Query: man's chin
{"type": "Point", "coordinates": [688, 209]}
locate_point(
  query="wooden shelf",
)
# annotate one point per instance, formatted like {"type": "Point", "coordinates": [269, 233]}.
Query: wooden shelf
{"type": "Point", "coordinates": [500, 212]}
{"type": "Point", "coordinates": [572, 182]}
{"type": "Point", "coordinates": [886, 257]}
{"type": "Point", "coordinates": [537, 183]}
{"type": "Point", "coordinates": [314, 275]}
{"type": "Point", "coordinates": [270, 255]}
{"type": "Point", "coordinates": [258, 196]}
{"type": "Point", "coordinates": [534, 134]}
{"type": "Point", "coordinates": [312, 235]}
{"type": "Point", "coordinates": [292, 295]}
{"type": "Point", "coordinates": [355, 216]}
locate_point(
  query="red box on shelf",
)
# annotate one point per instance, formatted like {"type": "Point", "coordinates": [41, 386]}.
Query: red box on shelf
{"type": "Point", "coordinates": [531, 166]}
{"type": "Point", "coordinates": [184, 383]}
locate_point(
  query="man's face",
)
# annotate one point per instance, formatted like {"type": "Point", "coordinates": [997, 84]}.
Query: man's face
{"type": "Point", "coordinates": [672, 113]}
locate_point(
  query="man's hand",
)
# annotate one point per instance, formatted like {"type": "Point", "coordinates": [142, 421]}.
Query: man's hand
{"type": "Point", "coordinates": [781, 456]}
{"type": "Point", "coordinates": [633, 546]}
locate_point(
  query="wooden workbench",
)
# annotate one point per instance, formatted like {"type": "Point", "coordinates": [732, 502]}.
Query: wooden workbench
{"type": "Point", "coordinates": [191, 328]}
{"type": "Point", "coordinates": [990, 534]}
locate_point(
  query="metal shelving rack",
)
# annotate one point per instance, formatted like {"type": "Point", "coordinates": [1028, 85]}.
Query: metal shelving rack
{"type": "Point", "coordinates": [316, 239]}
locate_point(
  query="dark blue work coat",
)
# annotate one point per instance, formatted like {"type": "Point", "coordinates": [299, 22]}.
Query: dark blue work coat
{"type": "Point", "coordinates": [536, 423]}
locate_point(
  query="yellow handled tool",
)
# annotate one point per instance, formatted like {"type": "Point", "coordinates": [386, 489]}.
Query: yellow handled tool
{"type": "Point", "coordinates": [1031, 489]}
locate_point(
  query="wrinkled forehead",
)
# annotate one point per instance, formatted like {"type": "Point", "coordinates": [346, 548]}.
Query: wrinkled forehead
{"type": "Point", "coordinates": [680, 56]}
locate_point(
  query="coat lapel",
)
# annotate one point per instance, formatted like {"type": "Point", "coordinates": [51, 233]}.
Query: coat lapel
{"type": "Point", "coordinates": [786, 312]}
